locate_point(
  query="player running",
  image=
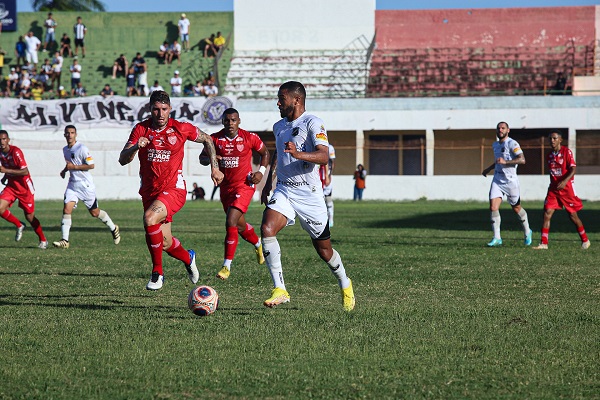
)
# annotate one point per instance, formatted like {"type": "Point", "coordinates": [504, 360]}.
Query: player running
{"type": "Point", "coordinates": [234, 146]}
{"type": "Point", "coordinates": [81, 186]}
{"type": "Point", "coordinates": [19, 186]}
{"type": "Point", "coordinates": [160, 143]}
{"type": "Point", "coordinates": [561, 192]}
{"type": "Point", "coordinates": [301, 146]}
{"type": "Point", "coordinates": [508, 155]}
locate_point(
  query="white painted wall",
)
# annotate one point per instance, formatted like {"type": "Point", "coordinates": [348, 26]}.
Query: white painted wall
{"type": "Point", "coordinates": [301, 24]}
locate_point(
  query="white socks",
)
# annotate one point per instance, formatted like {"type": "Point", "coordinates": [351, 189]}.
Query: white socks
{"type": "Point", "coordinates": [65, 226]}
{"type": "Point", "coordinates": [337, 268]}
{"type": "Point", "coordinates": [524, 221]}
{"type": "Point", "coordinates": [496, 223]}
{"type": "Point", "coordinates": [272, 253]}
{"type": "Point", "coordinates": [103, 216]}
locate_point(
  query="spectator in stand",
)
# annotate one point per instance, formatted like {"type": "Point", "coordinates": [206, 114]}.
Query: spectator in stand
{"type": "Point", "coordinates": [50, 25]}
{"type": "Point", "coordinates": [218, 43]}
{"type": "Point", "coordinates": [62, 93]}
{"type": "Point", "coordinates": [209, 46]}
{"type": "Point", "coordinates": [155, 87]}
{"type": "Point", "coordinates": [47, 70]}
{"type": "Point", "coordinates": [33, 45]}
{"type": "Point", "coordinates": [57, 63]}
{"type": "Point", "coordinates": [27, 67]}
{"type": "Point", "coordinates": [25, 86]}
{"type": "Point", "coordinates": [197, 192]}
{"type": "Point", "coordinates": [13, 80]}
{"type": "Point", "coordinates": [561, 84]}
{"type": "Point", "coordinates": [37, 91]}
{"type": "Point", "coordinates": [138, 63]}
{"type": "Point", "coordinates": [176, 83]}
{"type": "Point", "coordinates": [131, 91]}
{"type": "Point", "coordinates": [79, 30]}
{"type": "Point", "coordinates": [20, 51]}
{"type": "Point", "coordinates": [165, 53]}
{"type": "Point", "coordinates": [184, 31]}
{"type": "Point", "coordinates": [79, 91]}
{"type": "Point", "coordinates": [120, 65]}
{"type": "Point", "coordinates": [75, 75]}
{"type": "Point", "coordinates": [65, 46]}
{"type": "Point", "coordinates": [107, 91]}
{"type": "Point", "coordinates": [210, 90]}
{"type": "Point", "coordinates": [176, 52]}
{"type": "Point", "coordinates": [198, 89]}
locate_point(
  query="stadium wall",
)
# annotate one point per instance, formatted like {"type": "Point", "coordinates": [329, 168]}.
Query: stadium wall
{"type": "Point", "coordinates": [351, 118]}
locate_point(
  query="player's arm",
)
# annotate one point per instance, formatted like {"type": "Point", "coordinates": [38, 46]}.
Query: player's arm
{"type": "Point", "coordinates": [319, 156]}
{"type": "Point", "coordinates": [83, 167]}
{"type": "Point", "coordinates": [14, 172]}
{"type": "Point", "coordinates": [488, 169]}
{"type": "Point", "coordinates": [566, 177]}
{"type": "Point", "coordinates": [209, 147]}
{"type": "Point", "coordinates": [264, 162]}
{"type": "Point", "coordinates": [130, 150]}
{"type": "Point", "coordinates": [518, 160]}
{"type": "Point", "coordinates": [264, 196]}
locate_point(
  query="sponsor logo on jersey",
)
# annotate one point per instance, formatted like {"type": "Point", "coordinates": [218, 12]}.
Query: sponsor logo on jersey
{"type": "Point", "coordinates": [155, 155]}
{"type": "Point", "coordinates": [311, 222]}
{"type": "Point", "coordinates": [170, 130]}
{"type": "Point", "coordinates": [229, 162]}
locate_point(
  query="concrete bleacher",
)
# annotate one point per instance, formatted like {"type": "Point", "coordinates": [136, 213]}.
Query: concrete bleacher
{"type": "Point", "coordinates": [112, 34]}
{"type": "Point", "coordinates": [473, 71]}
{"type": "Point", "coordinates": [324, 73]}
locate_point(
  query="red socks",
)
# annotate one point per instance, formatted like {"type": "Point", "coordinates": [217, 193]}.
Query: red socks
{"type": "Point", "coordinates": [154, 240]}
{"type": "Point", "coordinates": [178, 252]}
{"type": "Point", "coordinates": [7, 215]}
{"type": "Point", "coordinates": [231, 242]}
{"type": "Point", "coordinates": [249, 235]}
{"type": "Point", "coordinates": [545, 232]}
{"type": "Point", "coordinates": [582, 234]}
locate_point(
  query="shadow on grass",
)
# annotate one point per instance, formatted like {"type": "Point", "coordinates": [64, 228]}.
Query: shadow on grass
{"type": "Point", "coordinates": [471, 220]}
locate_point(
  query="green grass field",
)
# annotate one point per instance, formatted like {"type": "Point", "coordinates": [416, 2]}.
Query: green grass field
{"type": "Point", "coordinates": [438, 315]}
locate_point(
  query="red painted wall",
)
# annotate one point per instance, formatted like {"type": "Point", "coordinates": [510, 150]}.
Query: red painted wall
{"type": "Point", "coordinates": [508, 27]}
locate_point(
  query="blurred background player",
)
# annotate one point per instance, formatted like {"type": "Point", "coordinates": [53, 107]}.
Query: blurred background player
{"type": "Point", "coordinates": [561, 192]}
{"type": "Point", "coordinates": [325, 171]}
{"type": "Point", "coordinates": [19, 186]}
{"type": "Point", "coordinates": [508, 155]}
{"type": "Point", "coordinates": [81, 186]}
{"type": "Point", "coordinates": [160, 144]}
{"type": "Point", "coordinates": [234, 151]}
{"type": "Point", "coordinates": [298, 191]}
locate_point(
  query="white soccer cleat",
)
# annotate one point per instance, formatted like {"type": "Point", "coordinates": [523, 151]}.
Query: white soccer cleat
{"type": "Point", "coordinates": [19, 233]}
{"type": "Point", "coordinates": [191, 269]}
{"type": "Point", "coordinates": [156, 281]}
{"type": "Point", "coordinates": [43, 245]}
{"type": "Point", "coordinates": [585, 245]}
{"type": "Point", "coordinates": [61, 244]}
{"type": "Point", "coordinates": [116, 234]}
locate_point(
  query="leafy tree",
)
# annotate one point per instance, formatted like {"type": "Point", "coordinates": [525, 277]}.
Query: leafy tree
{"type": "Point", "coordinates": [67, 5]}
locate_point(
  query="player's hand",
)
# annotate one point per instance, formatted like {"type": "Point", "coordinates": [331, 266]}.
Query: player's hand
{"type": "Point", "coordinates": [2, 169]}
{"type": "Point", "coordinates": [256, 177]}
{"type": "Point", "coordinates": [217, 176]}
{"type": "Point", "coordinates": [290, 147]}
{"type": "Point", "coordinates": [561, 185]}
{"type": "Point", "coordinates": [500, 160]}
{"type": "Point", "coordinates": [143, 142]}
{"type": "Point", "coordinates": [63, 173]}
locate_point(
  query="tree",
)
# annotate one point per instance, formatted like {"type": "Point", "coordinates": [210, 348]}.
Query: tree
{"type": "Point", "coordinates": [67, 5]}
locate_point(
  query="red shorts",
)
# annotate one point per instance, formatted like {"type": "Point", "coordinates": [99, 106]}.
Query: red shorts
{"type": "Point", "coordinates": [556, 200]}
{"type": "Point", "coordinates": [26, 200]}
{"type": "Point", "coordinates": [173, 200]}
{"type": "Point", "coordinates": [237, 196]}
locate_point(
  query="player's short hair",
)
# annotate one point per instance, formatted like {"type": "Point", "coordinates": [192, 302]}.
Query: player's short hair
{"type": "Point", "coordinates": [70, 127]}
{"type": "Point", "coordinates": [160, 96]}
{"type": "Point", "coordinates": [557, 131]}
{"type": "Point", "coordinates": [502, 122]}
{"type": "Point", "coordinates": [4, 131]}
{"type": "Point", "coordinates": [229, 111]}
{"type": "Point", "coordinates": [294, 87]}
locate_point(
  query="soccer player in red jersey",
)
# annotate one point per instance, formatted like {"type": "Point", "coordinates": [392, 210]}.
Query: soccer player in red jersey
{"type": "Point", "coordinates": [561, 193]}
{"type": "Point", "coordinates": [160, 143]}
{"type": "Point", "coordinates": [19, 186]}
{"type": "Point", "coordinates": [234, 151]}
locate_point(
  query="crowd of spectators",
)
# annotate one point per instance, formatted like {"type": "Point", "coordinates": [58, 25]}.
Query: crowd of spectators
{"type": "Point", "coordinates": [28, 80]}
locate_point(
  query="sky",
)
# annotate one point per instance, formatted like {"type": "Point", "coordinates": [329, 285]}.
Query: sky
{"type": "Point", "coordinates": [227, 5]}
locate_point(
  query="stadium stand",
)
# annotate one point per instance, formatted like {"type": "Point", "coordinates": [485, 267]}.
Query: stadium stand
{"type": "Point", "coordinates": [110, 34]}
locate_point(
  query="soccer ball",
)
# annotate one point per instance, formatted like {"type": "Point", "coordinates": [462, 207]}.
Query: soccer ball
{"type": "Point", "coordinates": [203, 300]}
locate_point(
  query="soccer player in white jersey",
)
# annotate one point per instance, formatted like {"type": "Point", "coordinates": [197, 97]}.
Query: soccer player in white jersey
{"type": "Point", "coordinates": [301, 146]}
{"type": "Point", "coordinates": [508, 155]}
{"type": "Point", "coordinates": [81, 186]}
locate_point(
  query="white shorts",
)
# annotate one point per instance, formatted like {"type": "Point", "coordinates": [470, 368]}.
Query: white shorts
{"type": "Point", "coordinates": [511, 190]}
{"type": "Point", "coordinates": [310, 209]}
{"type": "Point", "coordinates": [32, 56]}
{"type": "Point", "coordinates": [81, 191]}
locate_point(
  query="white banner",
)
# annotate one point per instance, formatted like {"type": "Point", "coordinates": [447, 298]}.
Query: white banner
{"type": "Point", "coordinates": [99, 112]}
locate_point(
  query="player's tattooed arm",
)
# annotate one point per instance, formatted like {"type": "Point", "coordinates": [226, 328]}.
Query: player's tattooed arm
{"type": "Point", "coordinates": [209, 147]}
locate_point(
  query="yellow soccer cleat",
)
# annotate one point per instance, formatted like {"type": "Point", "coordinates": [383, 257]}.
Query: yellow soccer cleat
{"type": "Point", "coordinates": [278, 296]}
{"type": "Point", "coordinates": [223, 274]}
{"type": "Point", "coordinates": [348, 298]}
{"type": "Point", "coordinates": [260, 257]}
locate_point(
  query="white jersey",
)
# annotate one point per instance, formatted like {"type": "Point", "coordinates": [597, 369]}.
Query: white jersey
{"type": "Point", "coordinates": [306, 132]}
{"type": "Point", "coordinates": [79, 155]}
{"type": "Point", "coordinates": [509, 149]}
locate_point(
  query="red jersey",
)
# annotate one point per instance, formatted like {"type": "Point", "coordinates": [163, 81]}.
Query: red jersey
{"type": "Point", "coordinates": [559, 164]}
{"type": "Point", "coordinates": [161, 161]}
{"type": "Point", "coordinates": [14, 159]}
{"type": "Point", "coordinates": [236, 155]}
